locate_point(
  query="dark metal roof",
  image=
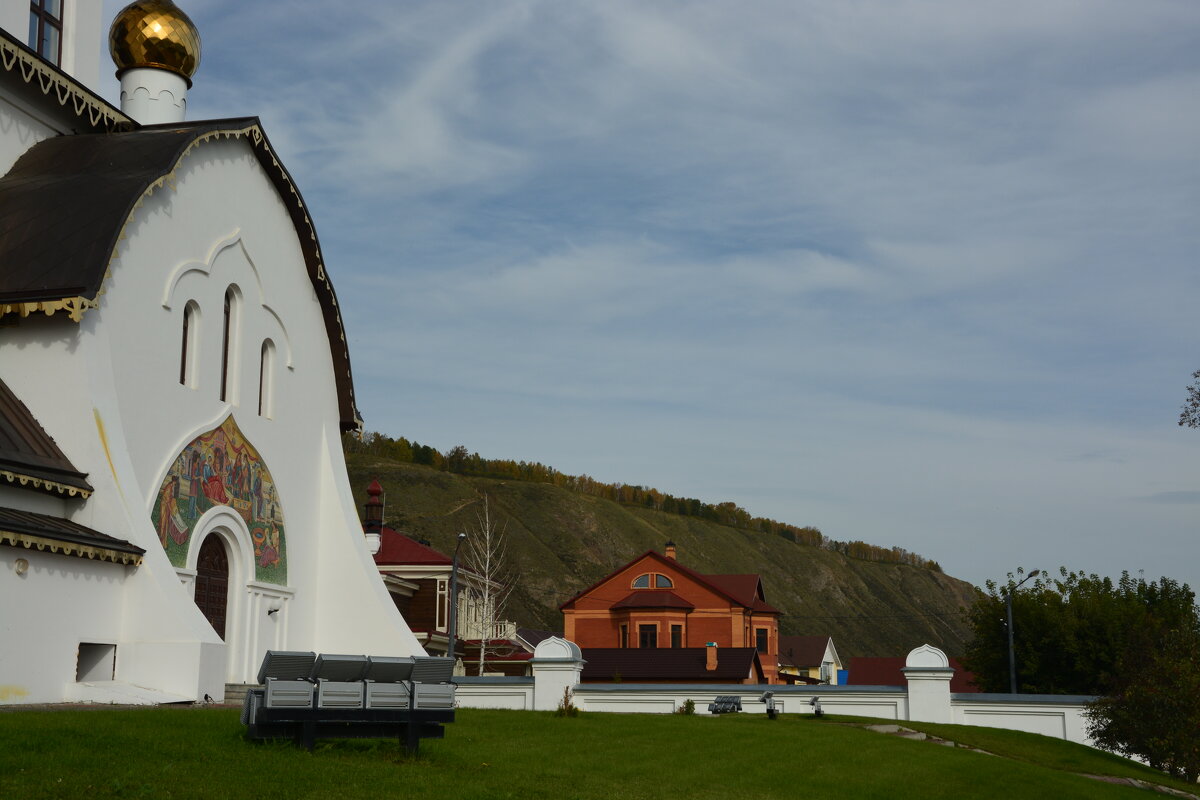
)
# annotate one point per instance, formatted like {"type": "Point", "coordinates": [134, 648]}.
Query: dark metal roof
{"type": "Point", "coordinates": [65, 204]}
{"type": "Point", "coordinates": [802, 651]}
{"type": "Point", "coordinates": [42, 532]}
{"type": "Point", "coordinates": [664, 663]}
{"type": "Point", "coordinates": [534, 637]}
{"type": "Point", "coordinates": [652, 599]}
{"type": "Point", "coordinates": [29, 458]}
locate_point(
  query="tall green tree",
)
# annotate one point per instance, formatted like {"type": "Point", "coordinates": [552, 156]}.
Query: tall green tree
{"type": "Point", "coordinates": [1070, 632]}
{"type": "Point", "coordinates": [1134, 643]}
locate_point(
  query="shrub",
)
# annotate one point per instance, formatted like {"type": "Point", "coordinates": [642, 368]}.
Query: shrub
{"type": "Point", "coordinates": [566, 708]}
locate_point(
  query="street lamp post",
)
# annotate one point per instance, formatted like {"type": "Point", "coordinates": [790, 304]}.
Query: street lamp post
{"type": "Point", "coordinates": [1012, 660]}
{"type": "Point", "coordinates": [453, 632]}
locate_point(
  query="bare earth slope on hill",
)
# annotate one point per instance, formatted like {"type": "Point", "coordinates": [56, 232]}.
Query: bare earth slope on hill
{"type": "Point", "coordinates": [561, 542]}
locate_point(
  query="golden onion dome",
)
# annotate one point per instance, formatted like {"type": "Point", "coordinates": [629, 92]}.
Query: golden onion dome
{"type": "Point", "coordinates": [155, 33]}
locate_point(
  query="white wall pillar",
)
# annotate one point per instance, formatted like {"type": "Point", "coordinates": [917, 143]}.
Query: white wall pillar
{"type": "Point", "coordinates": [557, 665]}
{"type": "Point", "coordinates": [928, 672]}
{"type": "Point", "coordinates": [153, 96]}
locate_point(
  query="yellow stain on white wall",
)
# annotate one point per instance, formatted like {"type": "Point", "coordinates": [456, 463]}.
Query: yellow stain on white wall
{"type": "Point", "coordinates": [107, 453]}
{"type": "Point", "coordinates": [10, 692]}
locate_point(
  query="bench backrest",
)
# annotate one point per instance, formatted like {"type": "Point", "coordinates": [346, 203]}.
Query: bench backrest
{"type": "Point", "coordinates": [338, 668]}
{"type": "Point", "coordinates": [289, 665]}
{"type": "Point", "coordinates": [432, 669]}
{"type": "Point", "coordinates": [388, 669]}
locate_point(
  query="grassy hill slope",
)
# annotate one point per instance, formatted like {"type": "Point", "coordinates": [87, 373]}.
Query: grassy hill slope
{"type": "Point", "coordinates": [561, 542]}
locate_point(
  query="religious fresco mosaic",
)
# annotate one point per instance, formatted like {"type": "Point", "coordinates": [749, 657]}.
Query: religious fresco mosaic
{"type": "Point", "coordinates": [221, 468]}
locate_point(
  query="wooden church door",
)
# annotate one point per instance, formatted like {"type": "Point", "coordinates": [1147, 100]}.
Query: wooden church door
{"type": "Point", "coordinates": [212, 582]}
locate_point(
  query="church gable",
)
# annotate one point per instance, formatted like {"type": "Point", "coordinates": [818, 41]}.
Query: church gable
{"type": "Point", "coordinates": [68, 202]}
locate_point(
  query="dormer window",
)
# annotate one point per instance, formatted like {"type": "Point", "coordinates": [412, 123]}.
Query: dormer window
{"type": "Point", "coordinates": [655, 580]}
{"type": "Point", "coordinates": [45, 29]}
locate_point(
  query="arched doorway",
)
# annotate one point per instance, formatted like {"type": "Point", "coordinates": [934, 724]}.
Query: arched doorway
{"type": "Point", "coordinates": [212, 582]}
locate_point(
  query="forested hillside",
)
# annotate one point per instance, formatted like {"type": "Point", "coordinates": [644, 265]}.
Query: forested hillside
{"type": "Point", "coordinates": [562, 540]}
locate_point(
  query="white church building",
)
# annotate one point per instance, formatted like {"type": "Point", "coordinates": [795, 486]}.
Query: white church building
{"type": "Point", "coordinates": [174, 383]}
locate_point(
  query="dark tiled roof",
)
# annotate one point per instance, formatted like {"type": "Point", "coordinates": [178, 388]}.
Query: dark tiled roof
{"type": "Point", "coordinates": [746, 589]}
{"type": "Point", "coordinates": [29, 457]}
{"type": "Point", "coordinates": [888, 672]}
{"type": "Point", "coordinates": [743, 588]}
{"type": "Point", "coordinates": [65, 203]}
{"type": "Point", "coordinates": [41, 532]}
{"type": "Point", "coordinates": [684, 664]}
{"type": "Point", "coordinates": [396, 549]}
{"type": "Point", "coordinates": [652, 599]}
{"type": "Point", "coordinates": [802, 651]}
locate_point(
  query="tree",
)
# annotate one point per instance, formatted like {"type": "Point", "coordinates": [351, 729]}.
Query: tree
{"type": "Point", "coordinates": [1153, 711]}
{"type": "Point", "coordinates": [487, 557]}
{"type": "Point", "coordinates": [1190, 416]}
{"type": "Point", "coordinates": [1070, 632]}
{"type": "Point", "coordinates": [1136, 643]}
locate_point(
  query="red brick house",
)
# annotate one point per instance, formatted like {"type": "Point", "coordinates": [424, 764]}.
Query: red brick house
{"type": "Point", "coordinates": [655, 602]}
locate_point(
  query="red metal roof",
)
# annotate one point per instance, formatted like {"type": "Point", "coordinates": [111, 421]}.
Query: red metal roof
{"type": "Point", "coordinates": [888, 672]}
{"type": "Point", "coordinates": [396, 549]}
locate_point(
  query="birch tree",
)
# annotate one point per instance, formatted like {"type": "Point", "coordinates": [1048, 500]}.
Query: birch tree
{"type": "Point", "coordinates": [487, 557]}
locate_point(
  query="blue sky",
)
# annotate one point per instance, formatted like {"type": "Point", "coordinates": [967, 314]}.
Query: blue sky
{"type": "Point", "coordinates": [918, 273]}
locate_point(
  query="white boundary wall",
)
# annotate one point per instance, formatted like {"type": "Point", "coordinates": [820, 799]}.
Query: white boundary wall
{"type": "Point", "coordinates": [926, 698]}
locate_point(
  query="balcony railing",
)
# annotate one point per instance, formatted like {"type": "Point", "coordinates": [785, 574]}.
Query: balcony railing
{"type": "Point", "coordinates": [474, 629]}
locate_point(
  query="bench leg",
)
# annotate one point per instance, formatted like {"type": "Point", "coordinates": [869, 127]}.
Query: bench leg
{"type": "Point", "coordinates": [308, 733]}
{"type": "Point", "coordinates": [411, 738]}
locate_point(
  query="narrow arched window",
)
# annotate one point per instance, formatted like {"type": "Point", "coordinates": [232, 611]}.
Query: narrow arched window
{"type": "Point", "coordinates": [229, 345]}
{"type": "Point", "coordinates": [266, 379]}
{"type": "Point", "coordinates": [187, 348]}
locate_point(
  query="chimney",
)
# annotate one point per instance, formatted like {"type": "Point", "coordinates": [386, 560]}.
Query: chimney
{"type": "Point", "coordinates": [373, 517]}
{"type": "Point", "coordinates": [710, 656]}
{"type": "Point", "coordinates": [373, 511]}
{"type": "Point", "coordinates": [671, 550]}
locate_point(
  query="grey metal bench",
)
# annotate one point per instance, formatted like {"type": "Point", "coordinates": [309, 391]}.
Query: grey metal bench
{"type": "Point", "coordinates": [725, 704]}
{"type": "Point", "coordinates": [350, 697]}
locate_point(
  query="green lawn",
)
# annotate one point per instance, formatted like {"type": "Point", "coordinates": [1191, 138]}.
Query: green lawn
{"type": "Point", "coordinates": [176, 753]}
